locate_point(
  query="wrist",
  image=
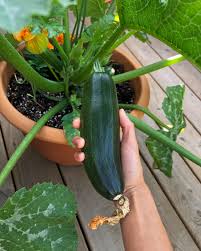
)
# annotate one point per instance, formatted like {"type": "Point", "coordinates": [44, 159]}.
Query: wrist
{"type": "Point", "coordinates": [134, 190]}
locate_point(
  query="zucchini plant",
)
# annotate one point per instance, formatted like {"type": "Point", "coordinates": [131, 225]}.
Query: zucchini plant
{"type": "Point", "coordinates": [78, 60]}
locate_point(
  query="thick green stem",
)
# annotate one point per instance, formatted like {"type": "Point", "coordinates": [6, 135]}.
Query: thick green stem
{"type": "Point", "coordinates": [11, 55]}
{"type": "Point", "coordinates": [60, 50]}
{"type": "Point", "coordinates": [147, 69]}
{"type": "Point", "coordinates": [83, 73]}
{"type": "Point", "coordinates": [75, 27]}
{"type": "Point", "coordinates": [67, 87]}
{"type": "Point", "coordinates": [147, 112]}
{"type": "Point", "coordinates": [51, 58]}
{"type": "Point", "coordinates": [164, 139]}
{"type": "Point", "coordinates": [67, 43]}
{"type": "Point", "coordinates": [52, 71]}
{"type": "Point", "coordinates": [83, 17]}
{"type": "Point", "coordinates": [122, 39]}
{"type": "Point", "coordinates": [112, 8]}
{"type": "Point", "coordinates": [28, 138]}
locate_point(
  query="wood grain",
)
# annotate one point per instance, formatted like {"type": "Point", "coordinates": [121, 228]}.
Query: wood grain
{"type": "Point", "coordinates": [8, 188]}
{"type": "Point", "coordinates": [91, 203]}
{"type": "Point", "coordinates": [185, 70]}
{"type": "Point", "coordinates": [183, 189]}
{"type": "Point", "coordinates": [32, 168]}
{"type": "Point", "coordinates": [190, 138]}
{"type": "Point", "coordinates": [166, 77]}
{"type": "Point", "coordinates": [178, 199]}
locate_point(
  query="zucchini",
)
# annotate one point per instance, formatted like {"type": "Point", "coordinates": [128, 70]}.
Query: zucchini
{"type": "Point", "coordinates": [100, 128]}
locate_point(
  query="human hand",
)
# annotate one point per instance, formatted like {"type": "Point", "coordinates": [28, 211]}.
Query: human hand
{"type": "Point", "coordinates": [132, 168]}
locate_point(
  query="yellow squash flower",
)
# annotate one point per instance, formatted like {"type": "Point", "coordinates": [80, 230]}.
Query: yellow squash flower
{"type": "Point", "coordinates": [36, 44]}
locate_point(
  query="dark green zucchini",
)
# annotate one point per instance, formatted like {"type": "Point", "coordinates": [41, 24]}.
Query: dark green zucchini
{"type": "Point", "coordinates": [100, 129]}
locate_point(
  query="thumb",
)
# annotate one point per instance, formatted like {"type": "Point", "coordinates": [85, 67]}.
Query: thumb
{"type": "Point", "coordinates": [127, 127]}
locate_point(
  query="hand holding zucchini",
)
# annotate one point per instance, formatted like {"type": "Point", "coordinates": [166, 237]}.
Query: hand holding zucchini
{"type": "Point", "coordinates": [101, 130]}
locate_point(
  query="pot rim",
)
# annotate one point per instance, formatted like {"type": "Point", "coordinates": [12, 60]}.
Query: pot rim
{"type": "Point", "coordinates": [50, 134]}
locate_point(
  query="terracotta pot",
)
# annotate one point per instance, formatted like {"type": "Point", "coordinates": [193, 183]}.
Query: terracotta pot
{"type": "Point", "coordinates": [50, 142]}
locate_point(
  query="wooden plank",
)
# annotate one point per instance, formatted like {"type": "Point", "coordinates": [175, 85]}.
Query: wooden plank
{"type": "Point", "coordinates": [190, 138]}
{"type": "Point", "coordinates": [32, 168]}
{"type": "Point", "coordinates": [166, 77]}
{"type": "Point", "coordinates": [109, 238]}
{"type": "Point", "coordinates": [185, 70]}
{"type": "Point", "coordinates": [8, 188]}
{"type": "Point", "coordinates": [183, 189]}
{"type": "Point", "coordinates": [91, 204]}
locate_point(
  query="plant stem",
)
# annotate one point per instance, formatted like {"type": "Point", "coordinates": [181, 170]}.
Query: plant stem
{"type": "Point", "coordinates": [75, 27]}
{"type": "Point", "coordinates": [52, 71]}
{"type": "Point", "coordinates": [51, 58]}
{"type": "Point", "coordinates": [111, 8]}
{"type": "Point", "coordinates": [60, 50]}
{"type": "Point", "coordinates": [10, 54]}
{"type": "Point", "coordinates": [122, 39]}
{"type": "Point", "coordinates": [79, 20]}
{"type": "Point", "coordinates": [67, 43]}
{"type": "Point", "coordinates": [164, 139]}
{"type": "Point", "coordinates": [147, 69]}
{"type": "Point", "coordinates": [147, 112]}
{"type": "Point", "coordinates": [83, 17]}
{"type": "Point", "coordinates": [83, 73]}
{"type": "Point", "coordinates": [28, 138]}
{"type": "Point", "coordinates": [104, 50]}
{"type": "Point", "coordinates": [67, 87]}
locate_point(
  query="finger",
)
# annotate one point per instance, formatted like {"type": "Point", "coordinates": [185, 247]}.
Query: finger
{"type": "Point", "coordinates": [124, 120]}
{"type": "Point", "coordinates": [78, 142]}
{"type": "Point", "coordinates": [121, 134]}
{"type": "Point", "coordinates": [79, 156]}
{"type": "Point", "coordinates": [76, 123]}
{"type": "Point", "coordinates": [127, 126]}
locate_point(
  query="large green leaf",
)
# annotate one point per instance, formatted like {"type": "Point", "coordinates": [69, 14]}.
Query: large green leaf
{"type": "Point", "coordinates": [16, 14]}
{"type": "Point", "coordinates": [96, 8]}
{"type": "Point", "coordinates": [176, 22]}
{"type": "Point", "coordinates": [173, 109]}
{"type": "Point", "coordinates": [41, 218]}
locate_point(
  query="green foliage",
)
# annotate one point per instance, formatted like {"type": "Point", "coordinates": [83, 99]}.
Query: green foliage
{"type": "Point", "coordinates": [41, 218]}
{"type": "Point", "coordinates": [176, 22]}
{"type": "Point", "coordinates": [16, 14]}
{"type": "Point", "coordinates": [142, 36]}
{"type": "Point", "coordinates": [173, 109]}
{"type": "Point", "coordinates": [161, 154]}
{"type": "Point", "coordinates": [95, 8]}
{"type": "Point", "coordinates": [76, 53]}
{"type": "Point", "coordinates": [97, 34]}
{"type": "Point", "coordinates": [69, 130]}
{"type": "Point", "coordinates": [52, 23]}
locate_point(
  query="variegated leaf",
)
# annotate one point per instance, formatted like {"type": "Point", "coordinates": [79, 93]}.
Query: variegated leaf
{"type": "Point", "coordinates": [173, 109]}
{"type": "Point", "coordinates": [41, 218]}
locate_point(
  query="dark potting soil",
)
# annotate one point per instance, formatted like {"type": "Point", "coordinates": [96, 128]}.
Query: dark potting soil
{"type": "Point", "coordinates": [21, 96]}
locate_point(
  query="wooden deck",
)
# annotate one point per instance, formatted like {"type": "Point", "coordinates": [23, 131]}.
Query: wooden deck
{"type": "Point", "coordinates": [178, 199]}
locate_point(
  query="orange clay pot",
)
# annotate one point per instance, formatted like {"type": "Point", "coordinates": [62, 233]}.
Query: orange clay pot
{"type": "Point", "coordinates": [51, 142]}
